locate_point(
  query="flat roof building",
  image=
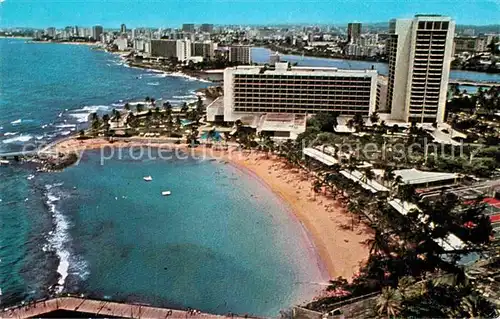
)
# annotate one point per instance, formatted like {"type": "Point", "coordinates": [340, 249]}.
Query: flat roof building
{"type": "Point", "coordinates": [97, 31]}
{"type": "Point", "coordinates": [205, 49]}
{"type": "Point", "coordinates": [207, 27]}
{"type": "Point", "coordinates": [241, 54]}
{"type": "Point", "coordinates": [419, 52]}
{"type": "Point", "coordinates": [188, 27]}
{"type": "Point", "coordinates": [180, 49]}
{"type": "Point", "coordinates": [353, 32]}
{"type": "Point", "coordinates": [471, 44]}
{"type": "Point", "coordinates": [289, 94]}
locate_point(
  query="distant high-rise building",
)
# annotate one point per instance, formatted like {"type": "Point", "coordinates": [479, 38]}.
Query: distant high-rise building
{"type": "Point", "coordinates": [51, 32]}
{"type": "Point", "coordinates": [76, 31]}
{"type": "Point", "coordinates": [206, 27]}
{"type": "Point", "coordinates": [180, 49]}
{"type": "Point", "coordinates": [87, 32]}
{"type": "Point", "coordinates": [97, 30]}
{"type": "Point", "coordinates": [204, 49]}
{"type": "Point", "coordinates": [353, 32]}
{"type": "Point", "coordinates": [188, 27]}
{"type": "Point", "coordinates": [123, 28]}
{"type": "Point", "coordinates": [470, 44]}
{"type": "Point", "coordinates": [419, 52]}
{"type": "Point", "coordinates": [240, 54]}
{"type": "Point", "coordinates": [37, 35]}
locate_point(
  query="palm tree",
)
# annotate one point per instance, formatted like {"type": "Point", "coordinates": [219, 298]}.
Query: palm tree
{"type": "Point", "coordinates": [389, 302]}
{"type": "Point", "coordinates": [184, 108]}
{"type": "Point", "coordinates": [94, 119]}
{"type": "Point", "coordinates": [476, 307]}
{"type": "Point", "coordinates": [406, 192]}
{"type": "Point", "coordinates": [139, 107]}
{"type": "Point", "coordinates": [368, 175]}
{"type": "Point", "coordinates": [131, 120]}
{"type": "Point", "coordinates": [378, 243]}
{"type": "Point", "coordinates": [118, 116]}
{"type": "Point", "coordinates": [168, 108]}
{"type": "Point", "coordinates": [397, 180]}
{"type": "Point", "coordinates": [383, 126]}
{"type": "Point", "coordinates": [199, 105]}
{"type": "Point", "coordinates": [147, 99]}
{"type": "Point", "coordinates": [127, 106]}
{"type": "Point", "coordinates": [105, 120]}
{"type": "Point", "coordinates": [350, 124]}
{"type": "Point", "coordinates": [374, 117]}
{"type": "Point", "coordinates": [388, 175]}
{"type": "Point", "coordinates": [406, 286]}
{"type": "Point", "coordinates": [354, 206]}
{"type": "Point", "coordinates": [394, 128]}
{"type": "Point", "coordinates": [266, 143]}
{"type": "Point", "coordinates": [358, 121]}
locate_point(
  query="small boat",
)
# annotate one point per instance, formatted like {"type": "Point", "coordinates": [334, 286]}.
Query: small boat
{"type": "Point", "coordinates": [30, 177]}
{"type": "Point", "coordinates": [148, 178]}
{"type": "Point", "coordinates": [4, 162]}
{"type": "Point", "coordinates": [166, 193]}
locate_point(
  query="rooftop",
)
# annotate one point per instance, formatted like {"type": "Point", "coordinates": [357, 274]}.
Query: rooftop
{"type": "Point", "coordinates": [414, 176]}
{"type": "Point", "coordinates": [320, 156]}
{"type": "Point", "coordinates": [281, 69]}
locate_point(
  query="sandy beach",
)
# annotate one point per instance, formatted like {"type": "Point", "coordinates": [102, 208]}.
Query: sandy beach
{"type": "Point", "coordinates": [329, 224]}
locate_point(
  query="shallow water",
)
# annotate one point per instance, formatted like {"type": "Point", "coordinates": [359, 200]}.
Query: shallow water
{"type": "Point", "coordinates": [221, 242]}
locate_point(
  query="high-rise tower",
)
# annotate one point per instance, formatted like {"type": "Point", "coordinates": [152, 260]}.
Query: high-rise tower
{"type": "Point", "coordinates": [419, 52]}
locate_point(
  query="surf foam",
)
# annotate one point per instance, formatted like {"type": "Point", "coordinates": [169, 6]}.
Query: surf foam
{"type": "Point", "coordinates": [58, 237]}
{"type": "Point", "coordinates": [20, 138]}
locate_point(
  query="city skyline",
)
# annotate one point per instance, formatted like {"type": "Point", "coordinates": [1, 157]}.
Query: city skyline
{"type": "Point", "coordinates": [21, 13]}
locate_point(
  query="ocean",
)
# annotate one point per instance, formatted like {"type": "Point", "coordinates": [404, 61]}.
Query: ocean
{"type": "Point", "coordinates": [221, 242]}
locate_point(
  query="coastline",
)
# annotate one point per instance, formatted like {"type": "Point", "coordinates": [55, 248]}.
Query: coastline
{"type": "Point", "coordinates": [339, 251]}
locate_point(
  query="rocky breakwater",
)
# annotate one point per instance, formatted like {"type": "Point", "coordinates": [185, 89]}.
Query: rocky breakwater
{"type": "Point", "coordinates": [56, 162]}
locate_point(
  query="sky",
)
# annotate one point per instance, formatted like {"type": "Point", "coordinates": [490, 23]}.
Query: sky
{"type": "Point", "coordinates": [172, 13]}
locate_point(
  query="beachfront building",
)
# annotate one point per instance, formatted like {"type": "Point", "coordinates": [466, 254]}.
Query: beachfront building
{"type": "Point", "coordinates": [180, 49]}
{"type": "Point", "coordinates": [121, 43]}
{"type": "Point", "coordinates": [241, 54]}
{"type": "Point", "coordinates": [97, 30]}
{"type": "Point", "coordinates": [279, 99]}
{"type": "Point", "coordinates": [51, 32]}
{"type": "Point", "coordinates": [419, 52]}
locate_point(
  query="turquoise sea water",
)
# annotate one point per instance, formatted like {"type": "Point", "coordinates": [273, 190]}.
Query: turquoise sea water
{"type": "Point", "coordinates": [221, 242]}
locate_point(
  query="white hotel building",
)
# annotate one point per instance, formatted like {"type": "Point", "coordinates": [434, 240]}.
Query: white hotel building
{"type": "Point", "coordinates": [420, 52]}
{"type": "Point", "coordinates": [279, 99]}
